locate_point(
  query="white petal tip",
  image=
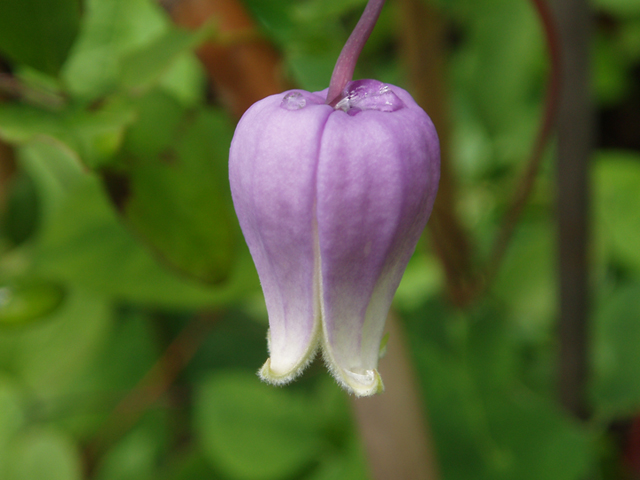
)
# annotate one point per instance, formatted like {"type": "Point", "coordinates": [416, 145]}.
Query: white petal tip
{"type": "Point", "coordinates": [362, 383]}
{"type": "Point", "coordinates": [277, 376]}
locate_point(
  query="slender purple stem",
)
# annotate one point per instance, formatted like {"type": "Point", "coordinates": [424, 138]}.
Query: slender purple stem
{"type": "Point", "coordinates": [346, 64]}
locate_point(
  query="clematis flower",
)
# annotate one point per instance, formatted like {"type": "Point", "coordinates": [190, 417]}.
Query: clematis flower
{"type": "Point", "coordinates": [332, 194]}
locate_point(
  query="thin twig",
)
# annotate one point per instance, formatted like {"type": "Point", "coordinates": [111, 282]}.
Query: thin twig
{"type": "Point", "coordinates": [423, 35]}
{"type": "Point", "coordinates": [575, 142]}
{"type": "Point", "coordinates": [152, 386]}
{"type": "Point", "coordinates": [527, 180]}
{"type": "Point", "coordinates": [13, 87]}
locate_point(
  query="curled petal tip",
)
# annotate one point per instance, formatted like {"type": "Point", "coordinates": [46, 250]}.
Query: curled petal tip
{"type": "Point", "coordinates": [280, 370]}
{"type": "Point", "coordinates": [266, 374]}
{"type": "Point", "coordinates": [364, 384]}
{"type": "Point", "coordinates": [361, 383]}
{"type": "Point", "coordinates": [277, 377]}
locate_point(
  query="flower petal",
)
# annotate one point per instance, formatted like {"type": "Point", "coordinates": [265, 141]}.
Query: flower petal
{"type": "Point", "coordinates": [272, 171]}
{"type": "Point", "coordinates": [377, 178]}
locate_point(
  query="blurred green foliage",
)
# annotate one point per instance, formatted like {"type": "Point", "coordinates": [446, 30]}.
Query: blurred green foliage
{"type": "Point", "coordinates": [118, 230]}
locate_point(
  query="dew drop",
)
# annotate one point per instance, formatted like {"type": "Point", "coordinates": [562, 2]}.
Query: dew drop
{"type": "Point", "coordinates": [369, 95]}
{"type": "Point", "coordinates": [293, 101]}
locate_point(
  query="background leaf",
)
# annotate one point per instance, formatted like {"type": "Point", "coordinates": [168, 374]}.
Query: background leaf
{"type": "Point", "coordinates": [616, 355]}
{"type": "Point", "coordinates": [253, 432]}
{"type": "Point", "coordinates": [110, 31]}
{"type": "Point", "coordinates": [175, 192]}
{"type": "Point", "coordinates": [42, 454]}
{"type": "Point", "coordinates": [39, 33]}
{"type": "Point", "coordinates": [616, 178]}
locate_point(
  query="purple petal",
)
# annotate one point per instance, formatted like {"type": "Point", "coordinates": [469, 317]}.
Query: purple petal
{"type": "Point", "coordinates": [378, 173]}
{"type": "Point", "coordinates": [272, 171]}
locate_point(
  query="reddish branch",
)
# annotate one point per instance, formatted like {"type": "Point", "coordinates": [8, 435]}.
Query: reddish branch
{"type": "Point", "coordinates": [527, 180]}
{"type": "Point", "coordinates": [423, 37]}
{"type": "Point", "coordinates": [151, 387]}
{"type": "Point", "coordinates": [242, 70]}
{"type": "Point", "coordinates": [7, 163]}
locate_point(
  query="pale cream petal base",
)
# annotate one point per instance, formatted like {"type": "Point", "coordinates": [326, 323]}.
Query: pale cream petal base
{"type": "Point", "coordinates": [361, 383]}
{"type": "Point", "coordinates": [282, 376]}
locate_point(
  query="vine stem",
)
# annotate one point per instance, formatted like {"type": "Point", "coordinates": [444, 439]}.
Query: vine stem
{"type": "Point", "coordinates": [393, 425]}
{"type": "Point", "coordinates": [150, 388]}
{"type": "Point", "coordinates": [527, 180]}
{"type": "Point", "coordinates": [575, 144]}
{"type": "Point", "coordinates": [346, 64]}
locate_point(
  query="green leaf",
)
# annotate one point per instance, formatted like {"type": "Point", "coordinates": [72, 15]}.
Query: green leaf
{"type": "Point", "coordinates": [186, 80]}
{"type": "Point", "coordinates": [176, 196]}
{"type": "Point", "coordinates": [82, 243]}
{"type": "Point", "coordinates": [616, 178]}
{"type": "Point", "coordinates": [94, 136]}
{"type": "Point", "coordinates": [488, 430]}
{"type": "Point", "coordinates": [620, 8]}
{"type": "Point", "coordinates": [55, 171]}
{"type": "Point", "coordinates": [11, 420]}
{"type": "Point", "coordinates": [20, 123]}
{"type": "Point", "coordinates": [189, 465]}
{"type": "Point", "coordinates": [526, 282]}
{"type": "Point", "coordinates": [41, 355]}
{"type": "Point", "coordinates": [22, 209]}
{"type": "Point", "coordinates": [128, 353]}
{"type": "Point", "coordinates": [42, 454]}
{"type": "Point", "coordinates": [11, 414]}
{"type": "Point", "coordinates": [423, 278]}
{"type": "Point", "coordinates": [38, 33]}
{"type": "Point", "coordinates": [252, 431]}
{"type": "Point", "coordinates": [456, 416]}
{"type": "Point", "coordinates": [110, 31]}
{"type": "Point", "coordinates": [498, 69]}
{"type": "Point", "coordinates": [136, 456]}
{"type": "Point", "coordinates": [315, 10]}
{"type": "Point", "coordinates": [349, 463]}
{"type": "Point", "coordinates": [23, 301]}
{"type": "Point", "coordinates": [536, 440]}
{"type": "Point", "coordinates": [615, 389]}
{"type": "Point", "coordinates": [144, 67]}
{"type": "Point", "coordinates": [611, 83]}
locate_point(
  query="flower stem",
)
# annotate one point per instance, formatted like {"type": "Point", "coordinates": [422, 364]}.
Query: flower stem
{"type": "Point", "coordinates": [346, 64]}
{"type": "Point", "coordinates": [393, 427]}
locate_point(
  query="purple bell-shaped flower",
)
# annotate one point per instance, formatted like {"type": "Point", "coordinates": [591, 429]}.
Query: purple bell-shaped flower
{"type": "Point", "coordinates": [332, 200]}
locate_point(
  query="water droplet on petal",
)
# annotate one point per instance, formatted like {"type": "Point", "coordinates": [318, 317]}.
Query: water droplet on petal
{"type": "Point", "coordinates": [293, 101]}
{"type": "Point", "coordinates": [369, 95]}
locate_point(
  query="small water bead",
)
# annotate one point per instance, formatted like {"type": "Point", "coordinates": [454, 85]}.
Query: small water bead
{"type": "Point", "coordinates": [293, 101]}
{"type": "Point", "coordinates": [369, 95]}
